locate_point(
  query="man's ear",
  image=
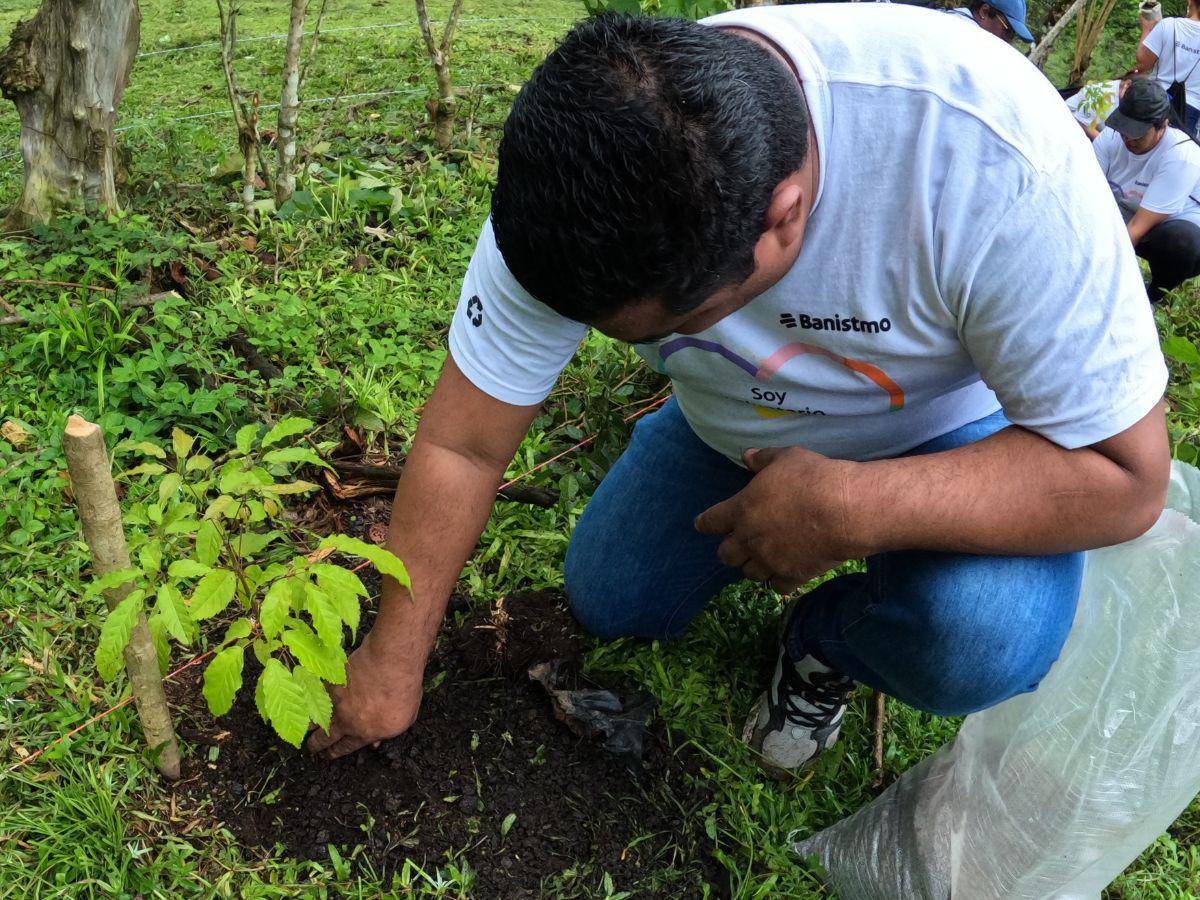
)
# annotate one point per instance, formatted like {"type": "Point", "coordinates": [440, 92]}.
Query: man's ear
{"type": "Point", "coordinates": [785, 216]}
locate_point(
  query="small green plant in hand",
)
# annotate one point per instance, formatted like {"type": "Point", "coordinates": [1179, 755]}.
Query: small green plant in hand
{"type": "Point", "coordinates": [203, 535]}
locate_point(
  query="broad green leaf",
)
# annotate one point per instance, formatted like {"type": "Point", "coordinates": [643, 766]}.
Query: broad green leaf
{"type": "Point", "coordinates": [147, 448]}
{"type": "Point", "coordinates": [110, 580]}
{"type": "Point", "coordinates": [150, 558]}
{"type": "Point", "coordinates": [344, 588]}
{"type": "Point", "coordinates": [327, 662]}
{"type": "Point", "coordinates": [294, 455]}
{"type": "Point", "coordinates": [187, 568]}
{"type": "Point", "coordinates": [384, 560]}
{"type": "Point", "coordinates": [284, 702]}
{"type": "Point", "coordinates": [223, 679]}
{"type": "Point", "coordinates": [262, 651]}
{"type": "Point", "coordinates": [237, 631]}
{"type": "Point", "coordinates": [219, 507]}
{"type": "Point", "coordinates": [154, 513]}
{"type": "Point", "coordinates": [320, 707]}
{"type": "Point", "coordinates": [162, 649]}
{"type": "Point", "coordinates": [175, 617]}
{"type": "Point", "coordinates": [198, 463]}
{"type": "Point", "coordinates": [259, 700]}
{"type": "Point", "coordinates": [325, 618]}
{"type": "Point", "coordinates": [212, 594]}
{"type": "Point", "coordinates": [114, 635]}
{"type": "Point", "coordinates": [168, 486]}
{"type": "Point", "coordinates": [1182, 350]}
{"type": "Point", "coordinates": [245, 438]}
{"type": "Point", "coordinates": [181, 443]}
{"type": "Point", "coordinates": [294, 487]}
{"type": "Point", "coordinates": [182, 526]}
{"type": "Point", "coordinates": [285, 429]}
{"type": "Point", "coordinates": [276, 607]}
{"type": "Point", "coordinates": [208, 543]}
{"type": "Point", "coordinates": [250, 544]}
{"type": "Point", "coordinates": [145, 469]}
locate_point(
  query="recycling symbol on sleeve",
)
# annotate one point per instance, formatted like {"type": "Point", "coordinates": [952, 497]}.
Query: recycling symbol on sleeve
{"type": "Point", "coordinates": [475, 311]}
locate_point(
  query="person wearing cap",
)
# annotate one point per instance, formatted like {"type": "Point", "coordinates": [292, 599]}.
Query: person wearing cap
{"type": "Point", "coordinates": [1170, 51]}
{"type": "Point", "coordinates": [940, 360]}
{"type": "Point", "coordinates": [1092, 105]}
{"type": "Point", "coordinates": [1003, 18]}
{"type": "Point", "coordinates": [1153, 169]}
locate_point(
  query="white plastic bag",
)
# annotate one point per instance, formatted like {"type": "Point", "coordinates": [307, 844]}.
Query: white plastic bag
{"type": "Point", "coordinates": [1052, 794]}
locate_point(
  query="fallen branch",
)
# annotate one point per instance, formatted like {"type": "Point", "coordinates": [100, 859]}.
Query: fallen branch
{"type": "Point", "coordinates": [879, 720]}
{"type": "Point", "coordinates": [131, 303]}
{"type": "Point", "coordinates": [383, 480]}
{"type": "Point", "coordinates": [255, 360]}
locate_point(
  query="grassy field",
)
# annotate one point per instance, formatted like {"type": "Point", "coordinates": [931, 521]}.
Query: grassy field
{"type": "Point", "coordinates": [359, 345]}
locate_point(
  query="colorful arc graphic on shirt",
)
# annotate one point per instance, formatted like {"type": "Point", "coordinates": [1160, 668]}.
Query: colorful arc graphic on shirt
{"type": "Point", "coordinates": [780, 357]}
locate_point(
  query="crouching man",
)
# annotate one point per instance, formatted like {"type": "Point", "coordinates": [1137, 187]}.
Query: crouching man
{"type": "Point", "coordinates": [902, 319]}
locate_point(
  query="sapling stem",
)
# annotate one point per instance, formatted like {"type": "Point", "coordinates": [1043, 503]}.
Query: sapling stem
{"type": "Point", "coordinates": [100, 514]}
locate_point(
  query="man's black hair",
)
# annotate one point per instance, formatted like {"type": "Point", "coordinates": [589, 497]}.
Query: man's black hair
{"type": "Point", "coordinates": [639, 162]}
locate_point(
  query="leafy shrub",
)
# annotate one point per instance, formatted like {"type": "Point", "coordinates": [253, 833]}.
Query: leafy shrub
{"type": "Point", "coordinates": [205, 540]}
{"type": "Point", "coordinates": [686, 9]}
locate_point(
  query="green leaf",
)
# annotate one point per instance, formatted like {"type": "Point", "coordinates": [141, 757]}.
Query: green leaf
{"type": "Point", "coordinates": [249, 545]}
{"type": "Point", "coordinates": [276, 606]}
{"type": "Point", "coordinates": [187, 568]}
{"type": "Point", "coordinates": [147, 448]}
{"type": "Point", "coordinates": [168, 487]}
{"type": "Point", "coordinates": [245, 438]}
{"type": "Point", "coordinates": [110, 580]}
{"type": "Point", "coordinates": [115, 632]}
{"type": "Point", "coordinates": [294, 487]}
{"type": "Point", "coordinates": [384, 560]}
{"type": "Point", "coordinates": [175, 617]}
{"type": "Point", "coordinates": [181, 443]}
{"type": "Point", "coordinates": [344, 588]}
{"type": "Point", "coordinates": [284, 702]}
{"type": "Point", "coordinates": [223, 679]}
{"type": "Point", "coordinates": [320, 707]}
{"type": "Point", "coordinates": [198, 463]}
{"type": "Point", "coordinates": [212, 594]}
{"type": "Point", "coordinates": [208, 543]}
{"type": "Point", "coordinates": [324, 615]}
{"type": "Point", "coordinates": [285, 429]}
{"type": "Point", "coordinates": [162, 649]}
{"type": "Point", "coordinates": [327, 662]}
{"type": "Point", "coordinates": [150, 558]}
{"type": "Point", "coordinates": [1182, 350]}
{"type": "Point", "coordinates": [259, 699]}
{"type": "Point", "coordinates": [219, 507]}
{"type": "Point", "coordinates": [294, 455]}
{"type": "Point", "coordinates": [237, 631]}
{"type": "Point", "coordinates": [263, 652]}
{"type": "Point", "coordinates": [145, 469]}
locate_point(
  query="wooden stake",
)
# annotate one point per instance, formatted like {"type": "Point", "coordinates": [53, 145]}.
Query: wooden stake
{"type": "Point", "coordinates": [880, 718]}
{"type": "Point", "coordinates": [96, 497]}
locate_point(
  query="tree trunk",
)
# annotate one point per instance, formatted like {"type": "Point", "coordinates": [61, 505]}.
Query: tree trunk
{"type": "Point", "coordinates": [1039, 54]}
{"type": "Point", "coordinates": [65, 70]}
{"type": "Point", "coordinates": [441, 110]}
{"type": "Point", "coordinates": [96, 497]}
{"type": "Point", "coordinates": [289, 106]}
{"type": "Point", "coordinates": [1088, 29]}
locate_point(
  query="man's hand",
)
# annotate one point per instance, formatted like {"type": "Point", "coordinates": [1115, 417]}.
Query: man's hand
{"type": "Point", "coordinates": [378, 702]}
{"type": "Point", "coordinates": [793, 521]}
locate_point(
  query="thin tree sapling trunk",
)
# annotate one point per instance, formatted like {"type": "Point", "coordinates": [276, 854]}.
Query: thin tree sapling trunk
{"type": "Point", "coordinates": [439, 57]}
{"type": "Point", "coordinates": [289, 106]}
{"type": "Point", "coordinates": [96, 498]}
{"type": "Point", "coordinates": [1039, 54]}
{"type": "Point", "coordinates": [65, 70]}
{"type": "Point", "coordinates": [1089, 27]}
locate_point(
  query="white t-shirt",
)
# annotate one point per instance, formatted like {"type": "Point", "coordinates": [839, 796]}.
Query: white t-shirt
{"type": "Point", "coordinates": [1176, 43]}
{"type": "Point", "coordinates": [964, 254]}
{"type": "Point", "coordinates": [1165, 180]}
{"type": "Point", "coordinates": [1100, 97]}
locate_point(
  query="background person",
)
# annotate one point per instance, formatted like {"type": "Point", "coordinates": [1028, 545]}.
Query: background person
{"type": "Point", "coordinates": [1003, 18]}
{"type": "Point", "coordinates": [1154, 172]}
{"type": "Point", "coordinates": [1171, 53]}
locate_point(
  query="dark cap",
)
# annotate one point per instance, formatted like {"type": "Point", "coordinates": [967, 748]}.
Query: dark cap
{"type": "Point", "coordinates": [1143, 107]}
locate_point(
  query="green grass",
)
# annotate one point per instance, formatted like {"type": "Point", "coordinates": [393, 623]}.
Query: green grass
{"type": "Point", "coordinates": [362, 347]}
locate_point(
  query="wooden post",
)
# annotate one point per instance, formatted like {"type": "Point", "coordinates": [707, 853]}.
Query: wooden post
{"type": "Point", "coordinates": [879, 705]}
{"type": "Point", "coordinates": [96, 497]}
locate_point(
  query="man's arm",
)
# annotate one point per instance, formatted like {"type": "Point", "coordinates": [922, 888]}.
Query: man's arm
{"type": "Point", "coordinates": [1141, 223]}
{"type": "Point", "coordinates": [1014, 493]}
{"type": "Point", "coordinates": [463, 445]}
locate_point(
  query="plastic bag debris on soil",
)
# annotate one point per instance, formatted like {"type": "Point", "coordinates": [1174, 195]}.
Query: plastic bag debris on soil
{"type": "Point", "coordinates": [1052, 794]}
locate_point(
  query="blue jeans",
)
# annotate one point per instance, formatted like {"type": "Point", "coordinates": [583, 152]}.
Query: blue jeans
{"type": "Point", "coordinates": [948, 633]}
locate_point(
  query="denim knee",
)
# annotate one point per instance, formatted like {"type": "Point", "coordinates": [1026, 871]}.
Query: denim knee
{"type": "Point", "coordinates": [599, 601]}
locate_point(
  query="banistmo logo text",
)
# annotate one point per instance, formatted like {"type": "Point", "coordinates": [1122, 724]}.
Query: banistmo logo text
{"type": "Point", "coordinates": [835, 323]}
{"type": "Point", "coordinates": [475, 311]}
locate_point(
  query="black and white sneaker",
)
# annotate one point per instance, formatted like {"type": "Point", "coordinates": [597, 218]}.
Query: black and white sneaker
{"type": "Point", "coordinates": [800, 713]}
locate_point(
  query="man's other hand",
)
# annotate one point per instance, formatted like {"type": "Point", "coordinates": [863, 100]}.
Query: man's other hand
{"type": "Point", "coordinates": [791, 523]}
{"type": "Point", "coordinates": [377, 702]}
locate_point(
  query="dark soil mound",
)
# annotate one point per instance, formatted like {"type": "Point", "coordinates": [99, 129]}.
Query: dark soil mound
{"type": "Point", "coordinates": [487, 748]}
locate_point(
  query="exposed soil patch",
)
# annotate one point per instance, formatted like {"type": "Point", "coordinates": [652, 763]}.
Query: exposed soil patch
{"type": "Point", "coordinates": [487, 748]}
